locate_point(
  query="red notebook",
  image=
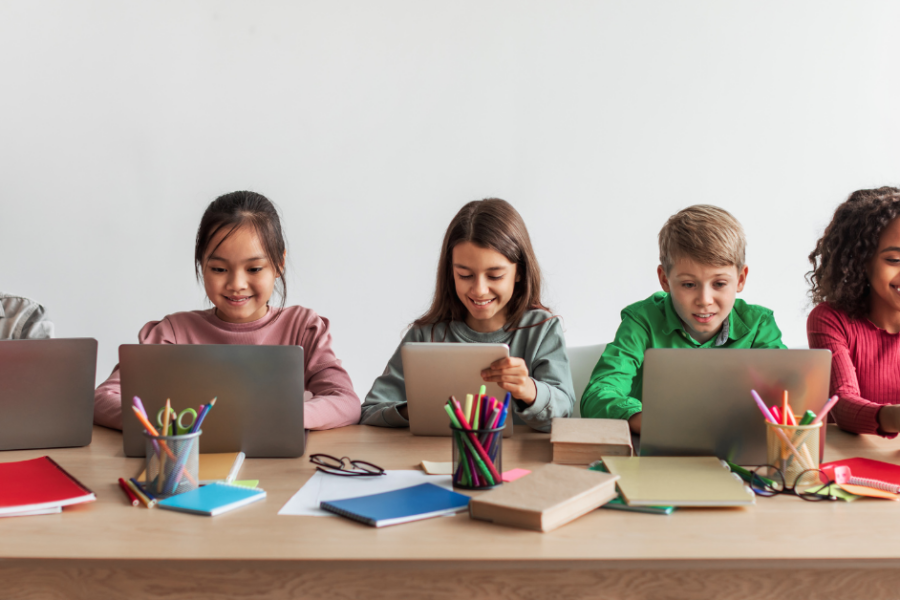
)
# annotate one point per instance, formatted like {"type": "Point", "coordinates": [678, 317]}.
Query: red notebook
{"type": "Point", "coordinates": [40, 483]}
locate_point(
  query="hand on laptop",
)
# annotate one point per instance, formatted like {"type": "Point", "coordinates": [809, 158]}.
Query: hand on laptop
{"type": "Point", "coordinates": [511, 374]}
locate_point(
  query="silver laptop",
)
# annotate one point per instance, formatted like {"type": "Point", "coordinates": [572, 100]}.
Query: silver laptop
{"type": "Point", "coordinates": [697, 402]}
{"type": "Point", "coordinates": [435, 371]}
{"type": "Point", "coordinates": [259, 410]}
{"type": "Point", "coordinates": [47, 393]}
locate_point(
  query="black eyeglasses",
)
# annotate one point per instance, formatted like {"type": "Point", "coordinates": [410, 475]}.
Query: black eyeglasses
{"type": "Point", "coordinates": [344, 466]}
{"type": "Point", "coordinates": [811, 485]}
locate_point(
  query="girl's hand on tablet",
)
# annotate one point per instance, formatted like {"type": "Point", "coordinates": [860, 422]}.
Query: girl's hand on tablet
{"type": "Point", "coordinates": [511, 374]}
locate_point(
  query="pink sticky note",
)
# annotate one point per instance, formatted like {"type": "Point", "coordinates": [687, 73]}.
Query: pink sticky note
{"type": "Point", "coordinates": [514, 474]}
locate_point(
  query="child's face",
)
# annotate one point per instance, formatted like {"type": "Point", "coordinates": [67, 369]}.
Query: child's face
{"type": "Point", "coordinates": [703, 295]}
{"type": "Point", "coordinates": [238, 277]}
{"type": "Point", "coordinates": [884, 274]}
{"type": "Point", "coordinates": [484, 280]}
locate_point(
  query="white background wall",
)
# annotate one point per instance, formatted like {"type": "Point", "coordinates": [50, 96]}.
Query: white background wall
{"type": "Point", "coordinates": [371, 122]}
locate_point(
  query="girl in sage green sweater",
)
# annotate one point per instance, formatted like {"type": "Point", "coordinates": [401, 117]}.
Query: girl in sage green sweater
{"type": "Point", "coordinates": [488, 290]}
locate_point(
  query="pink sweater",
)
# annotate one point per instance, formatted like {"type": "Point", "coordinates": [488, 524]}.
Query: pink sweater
{"type": "Point", "coordinates": [330, 400]}
{"type": "Point", "coordinates": [864, 366]}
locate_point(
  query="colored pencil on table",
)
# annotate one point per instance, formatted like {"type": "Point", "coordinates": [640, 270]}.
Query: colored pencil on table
{"type": "Point", "coordinates": [140, 495]}
{"type": "Point", "coordinates": [131, 497]}
{"type": "Point", "coordinates": [143, 488]}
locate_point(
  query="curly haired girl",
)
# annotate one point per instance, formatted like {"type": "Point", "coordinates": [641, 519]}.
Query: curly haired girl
{"type": "Point", "coordinates": [856, 288]}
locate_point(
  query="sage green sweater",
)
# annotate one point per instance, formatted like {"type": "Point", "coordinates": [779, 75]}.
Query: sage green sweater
{"type": "Point", "coordinates": [543, 347]}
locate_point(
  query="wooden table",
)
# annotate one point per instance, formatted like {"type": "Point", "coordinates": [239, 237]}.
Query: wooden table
{"type": "Point", "coordinates": [782, 547]}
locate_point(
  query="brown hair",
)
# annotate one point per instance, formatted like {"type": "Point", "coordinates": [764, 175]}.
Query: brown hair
{"type": "Point", "coordinates": [233, 211]}
{"type": "Point", "coordinates": [707, 234]}
{"type": "Point", "coordinates": [491, 223]}
{"type": "Point", "coordinates": [840, 261]}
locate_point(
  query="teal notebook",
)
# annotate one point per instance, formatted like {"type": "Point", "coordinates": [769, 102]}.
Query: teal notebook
{"type": "Point", "coordinates": [213, 499]}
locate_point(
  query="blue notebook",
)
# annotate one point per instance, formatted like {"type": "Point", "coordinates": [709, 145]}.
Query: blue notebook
{"type": "Point", "coordinates": [400, 506]}
{"type": "Point", "coordinates": [213, 499]}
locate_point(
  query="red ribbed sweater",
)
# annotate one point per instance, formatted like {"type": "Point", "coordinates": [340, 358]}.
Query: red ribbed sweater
{"type": "Point", "coordinates": [865, 366]}
{"type": "Point", "coordinates": [330, 400]}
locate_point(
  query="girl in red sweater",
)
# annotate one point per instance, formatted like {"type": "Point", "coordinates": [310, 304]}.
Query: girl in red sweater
{"type": "Point", "coordinates": [856, 288]}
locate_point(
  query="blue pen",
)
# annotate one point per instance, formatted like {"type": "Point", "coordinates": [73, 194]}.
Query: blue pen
{"type": "Point", "coordinates": [505, 412]}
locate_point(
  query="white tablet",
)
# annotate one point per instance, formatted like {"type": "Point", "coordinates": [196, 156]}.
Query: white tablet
{"type": "Point", "coordinates": [436, 371]}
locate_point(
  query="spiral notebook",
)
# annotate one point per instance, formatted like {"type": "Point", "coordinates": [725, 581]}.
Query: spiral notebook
{"type": "Point", "coordinates": [213, 499]}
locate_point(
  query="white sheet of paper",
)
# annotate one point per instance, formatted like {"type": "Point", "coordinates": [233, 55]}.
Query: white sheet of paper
{"type": "Point", "coordinates": [322, 487]}
{"type": "Point", "coordinates": [30, 513]}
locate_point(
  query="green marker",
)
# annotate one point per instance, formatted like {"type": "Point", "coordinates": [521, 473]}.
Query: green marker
{"type": "Point", "coordinates": [808, 418]}
{"type": "Point", "coordinates": [747, 475]}
{"type": "Point", "coordinates": [478, 462]}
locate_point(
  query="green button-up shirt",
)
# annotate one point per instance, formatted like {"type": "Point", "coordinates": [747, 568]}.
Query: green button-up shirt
{"type": "Point", "coordinates": [616, 385]}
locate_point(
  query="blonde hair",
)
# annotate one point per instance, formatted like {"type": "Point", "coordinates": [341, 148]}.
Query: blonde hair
{"type": "Point", "coordinates": [703, 233]}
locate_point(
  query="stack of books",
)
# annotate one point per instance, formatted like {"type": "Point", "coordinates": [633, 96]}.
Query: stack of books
{"type": "Point", "coordinates": [583, 441]}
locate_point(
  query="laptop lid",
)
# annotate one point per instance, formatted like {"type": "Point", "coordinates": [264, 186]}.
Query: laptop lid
{"type": "Point", "coordinates": [47, 393]}
{"type": "Point", "coordinates": [259, 410]}
{"type": "Point", "coordinates": [435, 371]}
{"type": "Point", "coordinates": [697, 402]}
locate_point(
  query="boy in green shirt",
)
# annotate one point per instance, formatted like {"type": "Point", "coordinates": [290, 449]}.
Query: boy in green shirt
{"type": "Point", "coordinates": [701, 255]}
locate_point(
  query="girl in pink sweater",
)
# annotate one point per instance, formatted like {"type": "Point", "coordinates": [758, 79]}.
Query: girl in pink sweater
{"type": "Point", "coordinates": [856, 286]}
{"type": "Point", "coordinates": [240, 258]}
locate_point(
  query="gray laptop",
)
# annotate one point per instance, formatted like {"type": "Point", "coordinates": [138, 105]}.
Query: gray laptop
{"type": "Point", "coordinates": [47, 393]}
{"type": "Point", "coordinates": [434, 371]}
{"type": "Point", "coordinates": [697, 402]}
{"type": "Point", "coordinates": [259, 410]}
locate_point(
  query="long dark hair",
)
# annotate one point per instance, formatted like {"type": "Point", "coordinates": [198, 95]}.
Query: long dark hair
{"type": "Point", "coordinates": [233, 211]}
{"type": "Point", "coordinates": [840, 261]}
{"type": "Point", "coordinates": [492, 223]}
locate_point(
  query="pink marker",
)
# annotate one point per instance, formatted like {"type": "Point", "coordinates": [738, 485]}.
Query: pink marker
{"type": "Point", "coordinates": [762, 407]}
{"type": "Point", "coordinates": [828, 406]}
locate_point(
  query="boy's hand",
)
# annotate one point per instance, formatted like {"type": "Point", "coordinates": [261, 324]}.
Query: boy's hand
{"type": "Point", "coordinates": [511, 374]}
{"type": "Point", "coordinates": [635, 422]}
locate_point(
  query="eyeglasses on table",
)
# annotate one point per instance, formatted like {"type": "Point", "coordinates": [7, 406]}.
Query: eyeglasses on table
{"type": "Point", "coordinates": [810, 485]}
{"type": "Point", "coordinates": [344, 466]}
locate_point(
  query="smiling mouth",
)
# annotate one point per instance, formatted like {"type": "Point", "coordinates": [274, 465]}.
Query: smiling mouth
{"type": "Point", "coordinates": [237, 299]}
{"type": "Point", "coordinates": [703, 317]}
{"type": "Point", "coordinates": [481, 303]}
